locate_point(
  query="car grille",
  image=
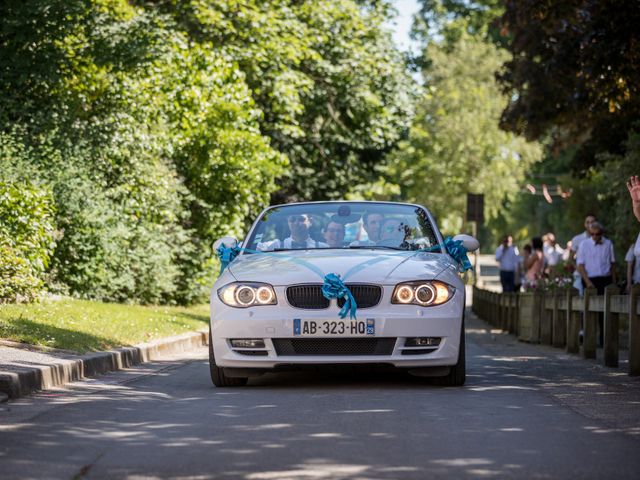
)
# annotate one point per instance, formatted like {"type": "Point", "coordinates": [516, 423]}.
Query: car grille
{"type": "Point", "coordinates": [334, 346]}
{"type": "Point", "coordinates": [310, 296]}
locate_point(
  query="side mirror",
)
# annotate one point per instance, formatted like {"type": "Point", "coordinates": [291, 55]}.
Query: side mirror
{"type": "Point", "coordinates": [228, 242]}
{"type": "Point", "coordinates": [469, 242]}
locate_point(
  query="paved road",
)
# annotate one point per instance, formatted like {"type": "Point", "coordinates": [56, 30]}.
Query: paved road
{"type": "Point", "coordinates": [526, 412]}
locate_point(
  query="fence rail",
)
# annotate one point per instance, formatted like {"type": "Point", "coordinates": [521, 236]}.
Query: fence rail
{"type": "Point", "coordinates": [556, 318]}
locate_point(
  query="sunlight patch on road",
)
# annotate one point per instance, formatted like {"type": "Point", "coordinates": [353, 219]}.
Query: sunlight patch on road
{"type": "Point", "coordinates": [500, 387]}
{"type": "Point", "coordinates": [462, 462]}
{"type": "Point", "coordinates": [332, 471]}
{"type": "Point", "coordinates": [378, 410]}
{"type": "Point", "coordinates": [268, 426]}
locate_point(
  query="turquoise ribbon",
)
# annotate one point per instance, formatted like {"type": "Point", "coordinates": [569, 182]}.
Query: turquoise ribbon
{"type": "Point", "coordinates": [226, 255]}
{"type": "Point", "coordinates": [333, 287]}
{"type": "Point", "coordinates": [456, 249]}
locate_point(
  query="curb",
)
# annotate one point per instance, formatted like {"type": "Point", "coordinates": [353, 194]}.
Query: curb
{"type": "Point", "coordinates": [16, 384]}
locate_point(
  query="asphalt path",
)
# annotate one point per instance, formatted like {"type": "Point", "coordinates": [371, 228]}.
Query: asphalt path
{"type": "Point", "coordinates": [525, 412]}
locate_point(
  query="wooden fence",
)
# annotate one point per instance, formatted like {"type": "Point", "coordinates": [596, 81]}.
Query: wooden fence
{"type": "Point", "coordinates": [556, 318]}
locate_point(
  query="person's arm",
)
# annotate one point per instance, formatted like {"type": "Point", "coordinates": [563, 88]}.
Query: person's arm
{"type": "Point", "coordinates": [583, 274]}
{"type": "Point", "coordinates": [499, 252]}
{"type": "Point", "coordinates": [634, 190]}
{"type": "Point", "coordinates": [630, 266]}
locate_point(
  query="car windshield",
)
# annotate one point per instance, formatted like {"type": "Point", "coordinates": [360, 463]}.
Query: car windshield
{"type": "Point", "coordinates": [343, 225]}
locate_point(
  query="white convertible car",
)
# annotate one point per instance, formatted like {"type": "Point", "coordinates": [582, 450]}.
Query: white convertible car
{"type": "Point", "coordinates": [339, 283]}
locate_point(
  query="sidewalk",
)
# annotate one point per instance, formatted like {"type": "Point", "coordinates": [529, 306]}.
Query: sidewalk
{"type": "Point", "coordinates": [606, 394]}
{"type": "Point", "coordinates": [26, 368]}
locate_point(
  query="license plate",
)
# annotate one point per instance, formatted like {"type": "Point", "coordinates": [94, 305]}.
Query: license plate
{"type": "Point", "coordinates": [334, 328]}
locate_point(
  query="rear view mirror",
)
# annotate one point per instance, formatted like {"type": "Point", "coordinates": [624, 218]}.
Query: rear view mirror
{"type": "Point", "coordinates": [227, 242]}
{"type": "Point", "coordinates": [469, 242]}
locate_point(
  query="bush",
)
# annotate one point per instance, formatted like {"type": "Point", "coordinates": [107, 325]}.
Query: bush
{"type": "Point", "coordinates": [26, 239]}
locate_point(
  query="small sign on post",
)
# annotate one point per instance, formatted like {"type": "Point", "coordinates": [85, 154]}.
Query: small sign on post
{"type": "Point", "coordinates": [475, 207]}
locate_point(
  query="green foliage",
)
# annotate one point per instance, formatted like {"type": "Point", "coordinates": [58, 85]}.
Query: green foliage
{"type": "Point", "coordinates": [331, 88]}
{"type": "Point", "coordinates": [455, 145]}
{"type": "Point", "coordinates": [160, 126]}
{"type": "Point", "coordinates": [575, 66]}
{"type": "Point", "coordinates": [450, 19]}
{"type": "Point", "coordinates": [26, 239]}
{"type": "Point", "coordinates": [148, 141]}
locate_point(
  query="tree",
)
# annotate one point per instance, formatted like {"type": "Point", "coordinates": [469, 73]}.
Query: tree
{"type": "Point", "coordinates": [455, 145]}
{"type": "Point", "coordinates": [332, 89]}
{"type": "Point", "coordinates": [149, 141]}
{"type": "Point", "coordinates": [574, 72]}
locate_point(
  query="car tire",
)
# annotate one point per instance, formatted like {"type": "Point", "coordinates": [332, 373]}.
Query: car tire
{"type": "Point", "coordinates": [218, 377]}
{"type": "Point", "coordinates": [457, 374]}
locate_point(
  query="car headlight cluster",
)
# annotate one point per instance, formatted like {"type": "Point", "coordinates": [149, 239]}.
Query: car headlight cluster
{"type": "Point", "coordinates": [423, 293]}
{"type": "Point", "coordinates": [244, 295]}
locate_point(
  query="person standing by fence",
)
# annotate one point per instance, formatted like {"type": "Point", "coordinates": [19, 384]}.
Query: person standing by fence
{"type": "Point", "coordinates": [575, 245]}
{"type": "Point", "coordinates": [552, 251]}
{"type": "Point", "coordinates": [596, 260]}
{"type": "Point", "coordinates": [534, 264]}
{"type": "Point", "coordinates": [507, 257]}
{"type": "Point", "coordinates": [596, 264]}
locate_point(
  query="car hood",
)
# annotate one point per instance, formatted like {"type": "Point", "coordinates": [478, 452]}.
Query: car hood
{"type": "Point", "coordinates": [357, 266]}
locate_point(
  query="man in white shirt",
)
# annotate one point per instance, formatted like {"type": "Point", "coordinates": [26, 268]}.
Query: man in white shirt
{"type": "Point", "coordinates": [596, 260]}
{"type": "Point", "coordinates": [372, 223]}
{"type": "Point", "coordinates": [507, 257]}
{"type": "Point", "coordinates": [299, 239]}
{"type": "Point", "coordinates": [575, 244]}
{"type": "Point", "coordinates": [633, 265]}
{"type": "Point", "coordinates": [552, 251]}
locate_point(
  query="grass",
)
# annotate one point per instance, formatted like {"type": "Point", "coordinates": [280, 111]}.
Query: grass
{"type": "Point", "coordinates": [84, 326]}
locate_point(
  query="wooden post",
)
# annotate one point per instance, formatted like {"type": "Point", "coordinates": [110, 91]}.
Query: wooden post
{"type": "Point", "coordinates": [516, 313]}
{"type": "Point", "coordinates": [559, 328]}
{"type": "Point", "coordinates": [573, 323]}
{"type": "Point", "coordinates": [634, 332]}
{"type": "Point", "coordinates": [538, 307]}
{"type": "Point", "coordinates": [546, 319]}
{"type": "Point", "coordinates": [513, 313]}
{"type": "Point", "coordinates": [589, 325]}
{"type": "Point", "coordinates": [611, 326]}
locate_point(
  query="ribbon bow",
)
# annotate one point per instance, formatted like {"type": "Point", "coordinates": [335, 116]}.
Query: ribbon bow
{"type": "Point", "coordinates": [456, 249]}
{"type": "Point", "coordinates": [334, 288]}
{"type": "Point", "coordinates": [226, 255]}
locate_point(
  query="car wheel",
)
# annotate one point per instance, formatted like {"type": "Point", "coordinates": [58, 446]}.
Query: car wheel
{"type": "Point", "coordinates": [457, 374]}
{"type": "Point", "coordinates": [218, 377]}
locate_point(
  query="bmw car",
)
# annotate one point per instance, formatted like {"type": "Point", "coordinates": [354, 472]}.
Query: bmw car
{"type": "Point", "coordinates": [339, 283]}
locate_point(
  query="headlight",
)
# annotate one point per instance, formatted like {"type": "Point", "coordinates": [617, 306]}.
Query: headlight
{"type": "Point", "coordinates": [243, 295]}
{"type": "Point", "coordinates": [423, 293]}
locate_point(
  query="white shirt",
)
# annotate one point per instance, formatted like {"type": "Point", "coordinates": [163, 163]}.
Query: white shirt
{"type": "Point", "coordinates": [578, 239]}
{"type": "Point", "coordinates": [636, 249]}
{"type": "Point", "coordinates": [288, 242]}
{"type": "Point", "coordinates": [508, 258]}
{"type": "Point", "coordinates": [552, 254]}
{"type": "Point", "coordinates": [597, 259]}
{"type": "Point", "coordinates": [630, 257]}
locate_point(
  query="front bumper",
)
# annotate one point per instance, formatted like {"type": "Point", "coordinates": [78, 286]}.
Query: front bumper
{"type": "Point", "coordinates": [397, 322]}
